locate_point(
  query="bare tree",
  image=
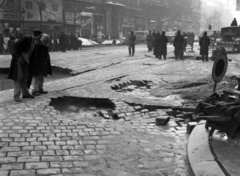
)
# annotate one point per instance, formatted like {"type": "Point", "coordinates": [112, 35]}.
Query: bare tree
{"type": "Point", "coordinates": [41, 4]}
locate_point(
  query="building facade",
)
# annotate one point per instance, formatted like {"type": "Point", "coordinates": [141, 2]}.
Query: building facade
{"type": "Point", "coordinates": [95, 18]}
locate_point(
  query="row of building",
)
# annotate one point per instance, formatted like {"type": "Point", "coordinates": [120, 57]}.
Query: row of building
{"type": "Point", "coordinates": [97, 17]}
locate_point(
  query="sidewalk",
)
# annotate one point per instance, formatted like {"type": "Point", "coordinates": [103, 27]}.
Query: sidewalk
{"type": "Point", "coordinates": [215, 154]}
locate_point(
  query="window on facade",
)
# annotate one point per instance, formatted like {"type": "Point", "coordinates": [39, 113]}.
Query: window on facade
{"type": "Point", "coordinates": [10, 3]}
{"type": "Point", "coordinates": [29, 5]}
{"type": "Point", "coordinates": [55, 7]}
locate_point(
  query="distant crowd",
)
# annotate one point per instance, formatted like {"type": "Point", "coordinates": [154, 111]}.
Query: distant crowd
{"type": "Point", "coordinates": [157, 43]}
{"type": "Point", "coordinates": [59, 42]}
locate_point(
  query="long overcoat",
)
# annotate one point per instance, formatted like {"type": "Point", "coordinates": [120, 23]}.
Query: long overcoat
{"type": "Point", "coordinates": [40, 63]}
{"type": "Point", "coordinates": [19, 66]}
{"type": "Point", "coordinates": [162, 45]}
{"type": "Point", "coordinates": [204, 44]}
{"type": "Point", "coordinates": [179, 44]}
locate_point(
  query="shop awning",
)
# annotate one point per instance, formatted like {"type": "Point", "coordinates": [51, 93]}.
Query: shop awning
{"type": "Point", "coordinates": [115, 4]}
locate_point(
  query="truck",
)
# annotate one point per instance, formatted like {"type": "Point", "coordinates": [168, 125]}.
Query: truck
{"type": "Point", "coordinates": [230, 39]}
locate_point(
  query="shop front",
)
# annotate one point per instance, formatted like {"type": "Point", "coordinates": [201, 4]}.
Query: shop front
{"type": "Point", "coordinates": [84, 19]}
{"type": "Point", "coordinates": [10, 24]}
{"type": "Point", "coordinates": [50, 22]}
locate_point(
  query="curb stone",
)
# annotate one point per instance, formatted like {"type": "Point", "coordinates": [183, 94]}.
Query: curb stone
{"type": "Point", "coordinates": [200, 157]}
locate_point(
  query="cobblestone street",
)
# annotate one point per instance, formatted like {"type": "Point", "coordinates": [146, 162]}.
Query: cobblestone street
{"type": "Point", "coordinates": [37, 139]}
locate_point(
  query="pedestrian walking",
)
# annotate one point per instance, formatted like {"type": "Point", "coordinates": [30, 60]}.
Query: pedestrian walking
{"type": "Point", "coordinates": [55, 43]}
{"type": "Point", "coordinates": [1, 43]}
{"type": "Point", "coordinates": [157, 46]}
{"type": "Point", "coordinates": [40, 64]}
{"type": "Point", "coordinates": [131, 44]}
{"type": "Point", "coordinates": [204, 46]}
{"type": "Point", "coordinates": [62, 42]}
{"type": "Point", "coordinates": [149, 41]}
{"type": "Point", "coordinates": [154, 34]}
{"type": "Point", "coordinates": [179, 45]}
{"type": "Point", "coordinates": [11, 42]}
{"type": "Point", "coordinates": [162, 43]}
{"type": "Point", "coordinates": [191, 38]}
{"type": "Point", "coordinates": [19, 67]}
{"type": "Point", "coordinates": [185, 41]}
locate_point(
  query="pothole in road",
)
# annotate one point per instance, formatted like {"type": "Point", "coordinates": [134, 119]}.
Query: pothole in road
{"type": "Point", "coordinates": [84, 109]}
{"type": "Point", "coordinates": [58, 73]}
{"type": "Point", "coordinates": [133, 85]}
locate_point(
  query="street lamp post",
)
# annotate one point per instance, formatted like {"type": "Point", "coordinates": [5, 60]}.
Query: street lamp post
{"type": "Point", "coordinates": [22, 12]}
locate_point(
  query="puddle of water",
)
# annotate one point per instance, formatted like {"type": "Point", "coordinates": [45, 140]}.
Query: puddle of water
{"type": "Point", "coordinates": [6, 84]}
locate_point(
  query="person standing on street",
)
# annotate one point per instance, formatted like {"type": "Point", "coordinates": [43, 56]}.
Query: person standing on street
{"type": "Point", "coordinates": [179, 45]}
{"type": "Point", "coordinates": [19, 67]}
{"type": "Point", "coordinates": [157, 46]}
{"type": "Point", "coordinates": [204, 45]}
{"type": "Point", "coordinates": [62, 42]}
{"type": "Point", "coordinates": [234, 22]}
{"type": "Point", "coordinates": [149, 41]}
{"type": "Point", "coordinates": [162, 42]}
{"type": "Point", "coordinates": [131, 44]}
{"type": "Point", "coordinates": [40, 64]}
{"type": "Point", "coordinates": [154, 40]}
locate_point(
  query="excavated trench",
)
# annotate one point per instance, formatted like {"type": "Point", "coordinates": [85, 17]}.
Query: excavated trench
{"type": "Point", "coordinates": [83, 109]}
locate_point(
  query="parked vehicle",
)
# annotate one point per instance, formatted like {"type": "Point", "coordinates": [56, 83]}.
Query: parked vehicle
{"type": "Point", "coordinates": [141, 36]}
{"type": "Point", "coordinates": [230, 39]}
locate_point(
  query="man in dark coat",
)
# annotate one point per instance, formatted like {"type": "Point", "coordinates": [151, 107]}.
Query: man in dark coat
{"type": "Point", "coordinates": [162, 42]}
{"type": "Point", "coordinates": [234, 22]}
{"type": "Point", "coordinates": [40, 64]}
{"type": "Point", "coordinates": [1, 43]}
{"type": "Point", "coordinates": [179, 45]}
{"type": "Point", "coordinates": [62, 42]}
{"type": "Point", "coordinates": [154, 40]}
{"type": "Point", "coordinates": [149, 41]}
{"type": "Point", "coordinates": [204, 44]}
{"type": "Point", "coordinates": [131, 44]}
{"type": "Point", "coordinates": [19, 68]}
{"type": "Point", "coordinates": [156, 48]}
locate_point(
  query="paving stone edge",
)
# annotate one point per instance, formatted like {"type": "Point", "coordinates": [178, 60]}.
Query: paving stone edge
{"type": "Point", "coordinates": [199, 154]}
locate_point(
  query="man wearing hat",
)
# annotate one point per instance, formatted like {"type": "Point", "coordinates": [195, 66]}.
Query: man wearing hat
{"type": "Point", "coordinates": [40, 64]}
{"type": "Point", "coordinates": [19, 68]}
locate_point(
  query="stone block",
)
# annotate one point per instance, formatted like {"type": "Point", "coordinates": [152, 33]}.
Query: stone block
{"type": "Point", "coordinates": [190, 127]}
{"type": "Point", "coordinates": [61, 164]}
{"type": "Point", "coordinates": [38, 165]}
{"type": "Point", "coordinates": [28, 159]}
{"type": "Point", "coordinates": [4, 173]}
{"type": "Point", "coordinates": [162, 120]}
{"type": "Point", "coordinates": [22, 173]}
{"type": "Point", "coordinates": [48, 171]}
{"type": "Point", "coordinates": [72, 171]}
{"type": "Point", "coordinates": [12, 166]}
{"type": "Point", "coordinates": [122, 115]}
{"type": "Point", "coordinates": [73, 108]}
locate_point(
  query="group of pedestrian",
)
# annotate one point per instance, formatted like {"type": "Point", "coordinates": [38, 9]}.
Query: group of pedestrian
{"type": "Point", "coordinates": [158, 43]}
{"type": "Point", "coordinates": [30, 61]}
{"type": "Point", "coordinates": [63, 42]}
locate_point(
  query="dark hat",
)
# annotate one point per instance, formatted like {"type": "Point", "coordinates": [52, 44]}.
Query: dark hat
{"type": "Point", "coordinates": [37, 32]}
